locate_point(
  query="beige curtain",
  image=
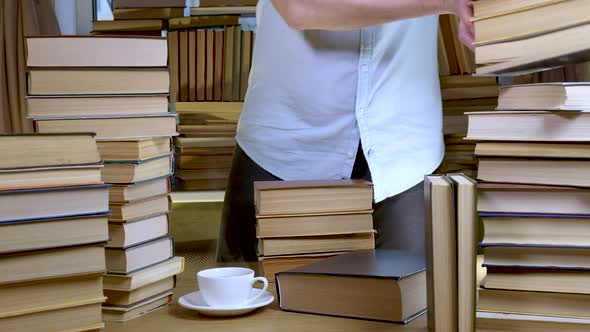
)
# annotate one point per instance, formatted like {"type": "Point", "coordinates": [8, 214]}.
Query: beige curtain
{"type": "Point", "coordinates": [19, 18]}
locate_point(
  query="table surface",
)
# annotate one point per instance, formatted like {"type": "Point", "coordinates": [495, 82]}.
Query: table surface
{"type": "Point", "coordinates": [174, 318]}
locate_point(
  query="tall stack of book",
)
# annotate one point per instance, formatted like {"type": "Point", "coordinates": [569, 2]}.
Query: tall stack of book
{"type": "Point", "coordinates": [516, 37]}
{"type": "Point", "coordinates": [139, 17]}
{"type": "Point", "coordinates": [300, 222]}
{"type": "Point", "coordinates": [117, 88]}
{"type": "Point", "coordinates": [206, 146]}
{"type": "Point", "coordinates": [461, 94]}
{"type": "Point", "coordinates": [210, 64]}
{"type": "Point", "coordinates": [534, 203]}
{"type": "Point", "coordinates": [53, 226]}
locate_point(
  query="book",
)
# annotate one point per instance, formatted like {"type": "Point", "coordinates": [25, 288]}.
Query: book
{"type": "Point", "coordinates": [83, 81]}
{"type": "Point", "coordinates": [123, 193]}
{"type": "Point", "coordinates": [487, 8]}
{"type": "Point", "coordinates": [226, 3]}
{"type": "Point", "coordinates": [132, 233]}
{"type": "Point", "coordinates": [147, 3]}
{"type": "Point", "coordinates": [537, 280]}
{"type": "Point", "coordinates": [53, 203]}
{"type": "Point", "coordinates": [139, 256]}
{"type": "Point", "coordinates": [533, 150]}
{"type": "Point", "coordinates": [357, 285]}
{"type": "Point", "coordinates": [531, 229]}
{"type": "Point", "coordinates": [532, 199]}
{"type": "Point", "coordinates": [195, 162]}
{"type": "Point", "coordinates": [147, 13]}
{"type": "Point", "coordinates": [202, 184]}
{"type": "Point", "coordinates": [126, 313]}
{"type": "Point", "coordinates": [52, 233]}
{"type": "Point", "coordinates": [202, 174]}
{"type": "Point", "coordinates": [541, 52]}
{"type": "Point", "coordinates": [127, 26]}
{"type": "Point", "coordinates": [441, 253]}
{"type": "Point", "coordinates": [125, 298]}
{"type": "Point", "coordinates": [204, 21]}
{"type": "Point", "coordinates": [131, 281]}
{"type": "Point", "coordinates": [543, 126]}
{"type": "Point", "coordinates": [173, 50]}
{"type": "Point", "coordinates": [529, 21]}
{"type": "Point", "coordinates": [41, 107]}
{"type": "Point", "coordinates": [137, 171]}
{"type": "Point", "coordinates": [537, 257]}
{"type": "Point", "coordinates": [466, 221]}
{"type": "Point", "coordinates": [492, 322]}
{"type": "Point", "coordinates": [310, 196]}
{"type": "Point", "coordinates": [138, 210]}
{"type": "Point", "coordinates": [545, 96]}
{"type": "Point", "coordinates": [534, 303]}
{"type": "Point", "coordinates": [227, 10]}
{"type": "Point", "coordinates": [48, 264]}
{"type": "Point", "coordinates": [75, 318]}
{"type": "Point", "coordinates": [559, 172]}
{"type": "Point", "coordinates": [96, 51]}
{"type": "Point", "coordinates": [310, 225]}
{"type": "Point", "coordinates": [134, 150]}
{"type": "Point", "coordinates": [45, 150]}
{"type": "Point", "coordinates": [469, 92]}
{"type": "Point", "coordinates": [50, 294]}
{"type": "Point", "coordinates": [315, 244]}
{"type": "Point", "coordinates": [55, 176]}
{"type": "Point", "coordinates": [114, 128]}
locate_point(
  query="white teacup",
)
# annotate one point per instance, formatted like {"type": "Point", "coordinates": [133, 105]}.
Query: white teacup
{"type": "Point", "coordinates": [229, 286]}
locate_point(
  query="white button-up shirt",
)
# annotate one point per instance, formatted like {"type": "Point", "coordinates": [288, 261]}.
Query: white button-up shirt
{"type": "Point", "coordinates": [314, 94]}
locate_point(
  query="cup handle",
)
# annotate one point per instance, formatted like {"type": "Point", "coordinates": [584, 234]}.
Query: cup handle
{"type": "Point", "coordinates": [265, 281]}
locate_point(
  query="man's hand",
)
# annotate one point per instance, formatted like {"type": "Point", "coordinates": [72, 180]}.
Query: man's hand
{"type": "Point", "coordinates": [463, 10]}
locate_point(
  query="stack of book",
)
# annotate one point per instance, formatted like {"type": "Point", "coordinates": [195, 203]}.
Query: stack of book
{"type": "Point", "coordinates": [115, 87]}
{"type": "Point", "coordinates": [300, 222]}
{"type": "Point", "coordinates": [205, 150]}
{"type": "Point", "coordinates": [53, 226]}
{"type": "Point", "coordinates": [535, 205]}
{"type": "Point", "coordinates": [222, 7]}
{"type": "Point", "coordinates": [210, 64]}
{"type": "Point", "coordinates": [516, 37]}
{"type": "Point", "coordinates": [461, 94]}
{"type": "Point", "coordinates": [140, 17]}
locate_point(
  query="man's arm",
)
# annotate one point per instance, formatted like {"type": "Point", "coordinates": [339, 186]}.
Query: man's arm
{"type": "Point", "coordinates": [354, 14]}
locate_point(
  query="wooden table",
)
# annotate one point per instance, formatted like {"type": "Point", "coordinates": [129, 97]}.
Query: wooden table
{"type": "Point", "coordinates": [174, 318]}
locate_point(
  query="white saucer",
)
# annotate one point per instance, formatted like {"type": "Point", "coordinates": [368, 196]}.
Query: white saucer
{"type": "Point", "coordinates": [195, 301]}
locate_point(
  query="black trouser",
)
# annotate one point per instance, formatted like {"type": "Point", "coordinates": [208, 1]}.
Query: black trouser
{"type": "Point", "coordinates": [399, 220]}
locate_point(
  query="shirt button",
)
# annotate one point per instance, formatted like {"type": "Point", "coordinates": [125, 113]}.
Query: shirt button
{"type": "Point", "coordinates": [365, 68]}
{"type": "Point", "coordinates": [350, 155]}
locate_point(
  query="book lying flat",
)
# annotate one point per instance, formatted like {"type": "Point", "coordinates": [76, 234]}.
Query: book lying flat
{"type": "Point", "coordinates": [138, 210]}
{"type": "Point", "coordinates": [53, 203]}
{"type": "Point", "coordinates": [533, 150]}
{"type": "Point", "coordinates": [134, 150]}
{"type": "Point", "coordinates": [47, 264]}
{"type": "Point", "coordinates": [75, 319]}
{"type": "Point", "coordinates": [52, 233]}
{"type": "Point", "coordinates": [140, 256]}
{"type": "Point", "coordinates": [147, 13]}
{"type": "Point", "coordinates": [541, 230]}
{"type": "Point", "coordinates": [91, 81]}
{"type": "Point", "coordinates": [47, 107]}
{"type": "Point", "coordinates": [124, 193]}
{"type": "Point", "coordinates": [46, 177]}
{"type": "Point", "coordinates": [144, 277]}
{"type": "Point", "coordinates": [297, 197]}
{"type": "Point", "coordinates": [493, 322]}
{"type": "Point", "coordinates": [96, 51]}
{"type": "Point", "coordinates": [537, 280]}
{"type": "Point", "coordinates": [545, 96]}
{"type": "Point", "coordinates": [532, 199]}
{"type": "Point", "coordinates": [575, 258]}
{"type": "Point", "coordinates": [152, 125]}
{"type": "Point", "coordinates": [310, 225]}
{"type": "Point", "coordinates": [43, 150]}
{"type": "Point", "coordinates": [133, 171]}
{"type": "Point", "coordinates": [50, 294]}
{"type": "Point", "coordinates": [148, 3]}
{"type": "Point", "coordinates": [384, 285]}
{"type": "Point", "coordinates": [271, 265]}
{"type": "Point", "coordinates": [131, 233]}
{"type": "Point", "coordinates": [128, 26]}
{"type": "Point", "coordinates": [315, 244]}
